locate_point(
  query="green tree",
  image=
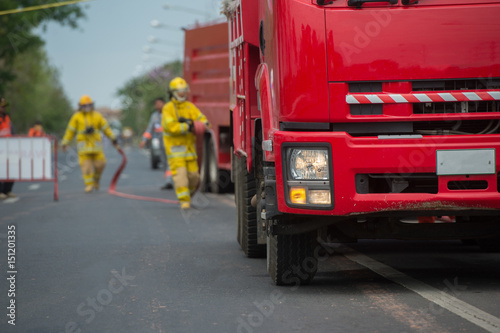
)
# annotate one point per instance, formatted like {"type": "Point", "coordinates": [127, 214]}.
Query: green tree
{"type": "Point", "coordinates": [36, 94]}
{"type": "Point", "coordinates": [138, 94]}
{"type": "Point", "coordinates": [17, 31]}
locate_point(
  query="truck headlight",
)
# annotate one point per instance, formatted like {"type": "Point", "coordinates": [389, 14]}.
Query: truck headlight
{"type": "Point", "coordinates": [308, 175]}
{"type": "Point", "coordinates": [308, 164]}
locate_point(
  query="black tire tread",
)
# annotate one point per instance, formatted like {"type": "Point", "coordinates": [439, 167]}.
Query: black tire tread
{"type": "Point", "coordinates": [287, 252]}
{"type": "Point", "coordinates": [247, 215]}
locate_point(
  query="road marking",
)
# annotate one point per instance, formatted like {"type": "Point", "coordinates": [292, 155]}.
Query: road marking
{"type": "Point", "coordinates": [34, 187]}
{"type": "Point", "coordinates": [11, 200]}
{"type": "Point", "coordinates": [384, 299]}
{"type": "Point", "coordinates": [468, 312]}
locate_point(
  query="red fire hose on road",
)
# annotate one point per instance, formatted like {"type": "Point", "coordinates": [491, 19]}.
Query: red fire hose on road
{"type": "Point", "coordinates": [112, 186]}
{"type": "Point", "coordinates": [199, 132]}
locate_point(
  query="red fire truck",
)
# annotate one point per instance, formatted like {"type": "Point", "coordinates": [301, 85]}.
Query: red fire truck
{"type": "Point", "coordinates": [351, 118]}
{"type": "Point", "coordinates": [206, 59]}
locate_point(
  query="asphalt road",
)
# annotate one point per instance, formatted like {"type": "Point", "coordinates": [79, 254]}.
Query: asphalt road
{"type": "Point", "coordinates": [100, 263]}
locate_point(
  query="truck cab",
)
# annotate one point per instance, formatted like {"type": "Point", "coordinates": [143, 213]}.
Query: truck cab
{"type": "Point", "coordinates": [353, 118]}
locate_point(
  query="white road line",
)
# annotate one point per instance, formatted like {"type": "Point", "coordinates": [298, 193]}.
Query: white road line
{"type": "Point", "coordinates": [11, 200]}
{"type": "Point", "coordinates": [34, 187]}
{"type": "Point", "coordinates": [474, 315]}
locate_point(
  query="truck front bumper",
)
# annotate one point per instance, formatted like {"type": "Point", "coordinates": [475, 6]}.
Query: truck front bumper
{"type": "Point", "coordinates": [355, 160]}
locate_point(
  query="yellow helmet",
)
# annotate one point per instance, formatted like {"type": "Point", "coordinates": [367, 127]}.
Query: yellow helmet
{"type": "Point", "coordinates": [86, 104]}
{"type": "Point", "coordinates": [85, 99]}
{"type": "Point", "coordinates": [179, 88]}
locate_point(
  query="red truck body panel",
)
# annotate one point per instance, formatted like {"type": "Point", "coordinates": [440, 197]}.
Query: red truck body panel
{"type": "Point", "coordinates": [437, 42]}
{"type": "Point", "coordinates": [206, 69]}
{"type": "Point", "coordinates": [347, 77]}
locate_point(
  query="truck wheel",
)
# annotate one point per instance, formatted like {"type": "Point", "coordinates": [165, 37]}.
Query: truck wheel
{"type": "Point", "coordinates": [212, 166]}
{"type": "Point", "coordinates": [246, 214]}
{"type": "Point", "coordinates": [224, 181]}
{"type": "Point", "coordinates": [203, 154]}
{"type": "Point", "coordinates": [217, 180]}
{"type": "Point", "coordinates": [236, 191]}
{"type": "Point", "coordinates": [291, 259]}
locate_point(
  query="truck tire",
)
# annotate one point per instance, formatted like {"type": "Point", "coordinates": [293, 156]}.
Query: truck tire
{"type": "Point", "coordinates": [291, 259]}
{"type": "Point", "coordinates": [212, 166]}
{"type": "Point", "coordinates": [237, 184]}
{"type": "Point", "coordinates": [217, 180]}
{"type": "Point", "coordinates": [202, 150]}
{"type": "Point", "coordinates": [246, 214]}
{"type": "Point", "coordinates": [224, 181]}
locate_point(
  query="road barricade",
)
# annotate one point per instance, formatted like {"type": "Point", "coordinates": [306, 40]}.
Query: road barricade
{"type": "Point", "coordinates": [29, 159]}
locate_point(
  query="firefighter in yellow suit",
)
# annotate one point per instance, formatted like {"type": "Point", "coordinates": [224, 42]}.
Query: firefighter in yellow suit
{"type": "Point", "coordinates": [87, 124]}
{"type": "Point", "coordinates": [178, 117]}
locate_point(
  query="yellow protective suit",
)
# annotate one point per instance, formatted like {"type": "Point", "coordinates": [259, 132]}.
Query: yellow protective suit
{"type": "Point", "coordinates": [180, 146]}
{"type": "Point", "coordinates": [89, 145]}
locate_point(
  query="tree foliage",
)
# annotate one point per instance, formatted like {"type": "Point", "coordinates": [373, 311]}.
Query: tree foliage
{"type": "Point", "coordinates": [17, 34]}
{"type": "Point", "coordinates": [36, 94]}
{"type": "Point", "coordinates": [139, 93]}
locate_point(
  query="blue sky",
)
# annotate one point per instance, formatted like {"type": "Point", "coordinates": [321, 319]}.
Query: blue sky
{"type": "Point", "coordinates": [108, 48]}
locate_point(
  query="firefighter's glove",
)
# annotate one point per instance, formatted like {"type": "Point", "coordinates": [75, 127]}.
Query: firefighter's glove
{"type": "Point", "coordinates": [187, 121]}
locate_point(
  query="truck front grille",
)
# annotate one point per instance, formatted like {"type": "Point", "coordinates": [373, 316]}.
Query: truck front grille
{"type": "Point", "coordinates": [396, 183]}
{"type": "Point", "coordinates": [460, 127]}
{"type": "Point", "coordinates": [471, 115]}
{"type": "Point", "coordinates": [455, 85]}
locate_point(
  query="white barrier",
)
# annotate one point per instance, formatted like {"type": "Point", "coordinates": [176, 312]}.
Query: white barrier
{"type": "Point", "coordinates": [28, 159]}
